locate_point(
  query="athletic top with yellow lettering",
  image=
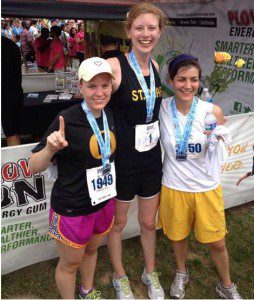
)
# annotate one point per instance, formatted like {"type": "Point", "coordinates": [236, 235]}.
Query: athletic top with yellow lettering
{"type": "Point", "coordinates": [189, 175]}
{"type": "Point", "coordinates": [70, 195]}
{"type": "Point", "coordinates": [129, 108]}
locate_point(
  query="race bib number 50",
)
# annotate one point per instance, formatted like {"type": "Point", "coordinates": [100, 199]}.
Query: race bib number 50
{"type": "Point", "coordinates": [101, 187]}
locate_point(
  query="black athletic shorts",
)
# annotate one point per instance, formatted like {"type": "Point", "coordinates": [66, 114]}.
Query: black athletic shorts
{"type": "Point", "coordinates": [144, 184]}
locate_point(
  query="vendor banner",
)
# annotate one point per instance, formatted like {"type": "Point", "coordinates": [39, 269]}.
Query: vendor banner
{"type": "Point", "coordinates": [24, 214]}
{"type": "Point", "coordinates": [240, 161]}
{"type": "Point", "coordinates": [201, 29]}
{"type": "Point", "coordinates": [25, 198]}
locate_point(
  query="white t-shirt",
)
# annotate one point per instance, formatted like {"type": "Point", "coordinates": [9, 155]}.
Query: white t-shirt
{"type": "Point", "coordinates": [189, 175]}
{"type": "Point", "coordinates": [34, 31]}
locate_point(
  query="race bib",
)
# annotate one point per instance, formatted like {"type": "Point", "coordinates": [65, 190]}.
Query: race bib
{"type": "Point", "coordinates": [101, 187]}
{"type": "Point", "coordinates": [196, 148]}
{"type": "Point", "coordinates": [146, 136]}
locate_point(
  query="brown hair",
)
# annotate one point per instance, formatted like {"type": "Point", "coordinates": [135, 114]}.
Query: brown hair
{"type": "Point", "coordinates": [183, 61]}
{"type": "Point", "coordinates": [145, 8]}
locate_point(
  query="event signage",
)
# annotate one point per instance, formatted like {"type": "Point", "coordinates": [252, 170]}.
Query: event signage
{"type": "Point", "coordinates": [240, 161]}
{"type": "Point", "coordinates": [201, 29]}
{"type": "Point", "coordinates": [24, 214]}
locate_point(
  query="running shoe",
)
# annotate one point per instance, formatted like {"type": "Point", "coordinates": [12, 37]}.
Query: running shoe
{"type": "Point", "coordinates": [227, 293]}
{"type": "Point", "coordinates": [155, 290]}
{"type": "Point", "coordinates": [122, 287]}
{"type": "Point", "coordinates": [92, 294]}
{"type": "Point", "coordinates": [177, 288]}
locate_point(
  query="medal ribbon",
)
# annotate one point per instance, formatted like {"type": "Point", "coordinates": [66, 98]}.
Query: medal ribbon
{"type": "Point", "coordinates": [104, 146]}
{"type": "Point", "coordinates": [182, 139]}
{"type": "Point", "coordinates": [149, 95]}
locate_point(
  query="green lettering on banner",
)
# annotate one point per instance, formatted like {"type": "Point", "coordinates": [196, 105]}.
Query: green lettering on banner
{"type": "Point", "coordinates": [246, 109]}
{"type": "Point", "coordinates": [21, 234]}
{"type": "Point", "coordinates": [25, 242]}
{"type": "Point", "coordinates": [235, 47]}
{"type": "Point", "coordinates": [238, 106]}
{"type": "Point", "coordinates": [15, 227]}
{"type": "Point", "coordinates": [250, 77]}
{"type": "Point", "coordinates": [249, 63]}
{"type": "Point", "coordinates": [237, 74]}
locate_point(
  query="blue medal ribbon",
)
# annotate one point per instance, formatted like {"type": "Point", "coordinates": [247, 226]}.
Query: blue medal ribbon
{"type": "Point", "coordinates": [104, 146]}
{"type": "Point", "coordinates": [149, 95]}
{"type": "Point", "coordinates": [182, 139]}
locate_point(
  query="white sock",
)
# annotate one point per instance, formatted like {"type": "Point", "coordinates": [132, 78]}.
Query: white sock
{"type": "Point", "coordinates": [85, 291]}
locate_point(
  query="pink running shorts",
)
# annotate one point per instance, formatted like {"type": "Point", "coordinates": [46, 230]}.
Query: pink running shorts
{"type": "Point", "coordinates": [77, 231]}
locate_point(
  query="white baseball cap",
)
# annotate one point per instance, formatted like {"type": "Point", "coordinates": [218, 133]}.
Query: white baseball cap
{"type": "Point", "coordinates": [93, 66]}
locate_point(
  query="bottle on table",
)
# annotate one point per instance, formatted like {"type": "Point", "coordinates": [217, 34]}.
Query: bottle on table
{"type": "Point", "coordinates": [206, 96]}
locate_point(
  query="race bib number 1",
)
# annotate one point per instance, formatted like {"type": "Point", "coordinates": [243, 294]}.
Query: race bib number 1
{"type": "Point", "coordinates": [101, 187]}
{"type": "Point", "coordinates": [146, 136]}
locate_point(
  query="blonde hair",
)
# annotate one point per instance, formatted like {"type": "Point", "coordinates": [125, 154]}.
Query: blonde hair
{"type": "Point", "coordinates": [145, 8]}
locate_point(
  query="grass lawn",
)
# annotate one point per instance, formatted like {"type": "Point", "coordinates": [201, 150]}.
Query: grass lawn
{"type": "Point", "coordinates": [37, 281]}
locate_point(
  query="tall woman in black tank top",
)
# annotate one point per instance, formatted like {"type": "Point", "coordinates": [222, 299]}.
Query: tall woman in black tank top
{"type": "Point", "coordinates": [138, 163]}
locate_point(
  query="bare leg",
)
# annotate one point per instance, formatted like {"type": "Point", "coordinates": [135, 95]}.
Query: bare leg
{"type": "Point", "coordinates": [180, 250]}
{"type": "Point", "coordinates": [13, 140]}
{"type": "Point", "coordinates": [66, 270]}
{"type": "Point", "coordinates": [114, 241]}
{"type": "Point", "coordinates": [219, 256]}
{"type": "Point", "coordinates": [88, 264]}
{"type": "Point", "coordinates": [147, 209]}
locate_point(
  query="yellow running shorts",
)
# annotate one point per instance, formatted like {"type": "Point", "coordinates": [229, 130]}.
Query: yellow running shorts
{"type": "Point", "coordinates": [180, 211]}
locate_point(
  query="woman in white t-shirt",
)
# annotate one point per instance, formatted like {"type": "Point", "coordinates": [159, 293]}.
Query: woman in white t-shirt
{"type": "Point", "coordinates": [189, 197]}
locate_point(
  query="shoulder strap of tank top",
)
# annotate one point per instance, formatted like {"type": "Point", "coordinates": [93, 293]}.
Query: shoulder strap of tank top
{"type": "Point", "coordinates": [123, 61]}
{"type": "Point", "coordinates": [154, 68]}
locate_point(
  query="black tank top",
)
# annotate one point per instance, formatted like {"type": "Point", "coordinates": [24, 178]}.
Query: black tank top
{"type": "Point", "coordinates": [129, 107]}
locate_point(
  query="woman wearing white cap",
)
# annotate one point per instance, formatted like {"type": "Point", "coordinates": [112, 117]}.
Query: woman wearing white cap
{"type": "Point", "coordinates": [81, 200]}
{"type": "Point", "coordinates": [136, 103]}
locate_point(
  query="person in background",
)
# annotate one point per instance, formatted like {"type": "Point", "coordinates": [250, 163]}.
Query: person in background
{"type": "Point", "coordinates": [43, 24]}
{"type": "Point", "coordinates": [59, 22]}
{"type": "Point", "coordinates": [109, 46]}
{"type": "Point", "coordinates": [16, 27]}
{"type": "Point", "coordinates": [81, 212]}
{"type": "Point", "coordinates": [53, 22]}
{"type": "Point", "coordinates": [16, 40]}
{"type": "Point", "coordinates": [138, 156]}
{"type": "Point", "coordinates": [72, 45]}
{"type": "Point", "coordinates": [189, 196]}
{"type": "Point", "coordinates": [56, 55]}
{"type": "Point", "coordinates": [70, 24]}
{"type": "Point", "coordinates": [81, 42]}
{"type": "Point", "coordinates": [42, 49]}
{"type": "Point", "coordinates": [64, 39]}
{"type": "Point", "coordinates": [27, 40]}
{"type": "Point", "coordinates": [12, 92]}
{"type": "Point", "coordinates": [33, 28]}
{"type": "Point", "coordinates": [6, 30]}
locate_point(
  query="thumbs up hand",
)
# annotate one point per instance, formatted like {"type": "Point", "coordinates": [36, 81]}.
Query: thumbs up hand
{"type": "Point", "coordinates": [56, 140]}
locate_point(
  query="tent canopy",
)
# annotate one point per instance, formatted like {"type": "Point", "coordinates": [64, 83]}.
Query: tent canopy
{"type": "Point", "coordinates": [78, 9]}
{"type": "Point", "coordinates": [65, 9]}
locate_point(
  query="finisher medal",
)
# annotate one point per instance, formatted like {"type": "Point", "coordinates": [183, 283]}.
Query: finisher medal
{"type": "Point", "coordinates": [106, 169]}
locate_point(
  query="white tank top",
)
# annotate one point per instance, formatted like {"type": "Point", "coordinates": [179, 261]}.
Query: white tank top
{"type": "Point", "coordinates": [189, 175]}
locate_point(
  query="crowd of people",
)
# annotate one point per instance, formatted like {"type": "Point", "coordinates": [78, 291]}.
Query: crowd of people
{"type": "Point", "coordinates": [53, 44]}
{"type": "Point", "coordinates": [107, 152]}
